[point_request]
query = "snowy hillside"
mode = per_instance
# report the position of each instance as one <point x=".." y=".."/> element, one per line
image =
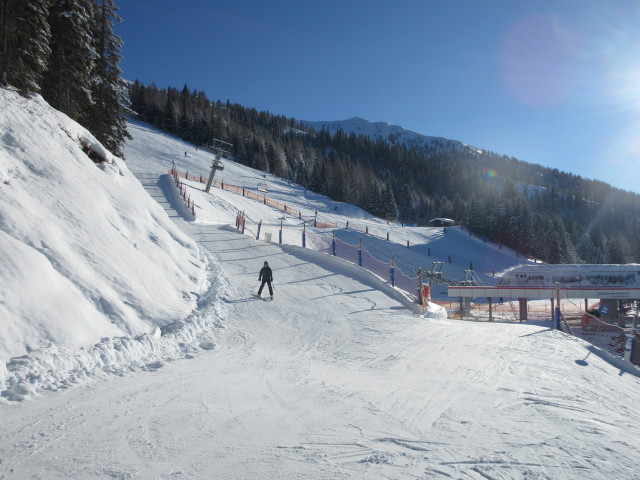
<point x="390" y="133"/>
<point x="85" y="253"/>
<point x="334" y="378"/>
<point x="457" y="250"/>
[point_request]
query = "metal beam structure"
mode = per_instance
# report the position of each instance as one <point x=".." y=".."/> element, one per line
<point x="219" y="148"/>
<point x="545" y="293"/>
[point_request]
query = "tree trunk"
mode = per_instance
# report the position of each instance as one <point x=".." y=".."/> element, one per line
<point x="4" y="12"/>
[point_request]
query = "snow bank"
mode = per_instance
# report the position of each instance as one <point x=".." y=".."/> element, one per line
<point x="53" y="367"/>
<point x="350" y="270"/>
<point x="75" y="239"/>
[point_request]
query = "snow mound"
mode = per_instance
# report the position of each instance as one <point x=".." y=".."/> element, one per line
<point x="75" y="237"/>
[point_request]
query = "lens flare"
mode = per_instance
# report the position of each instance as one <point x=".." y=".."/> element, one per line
<point x="538" y="63"/>
<point x="490" y="174"/>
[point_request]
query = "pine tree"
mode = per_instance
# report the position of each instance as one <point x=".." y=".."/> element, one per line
<point x="276" y="159"/>
<point x="586" y="250"/>
<point x="406" y="202"/>
<point x="106" y="115"/>
<point x="389" y="207"/>
<point x="137" y="96"/>
<point x="619" y="249"/>
<point x="373" y="202"/>
<point x="526" y="231"/>
<point x="559" y="248"/>
<point x="67" y="81"/>
<point x="168" y="115"/>
<point x="24" y="43"/>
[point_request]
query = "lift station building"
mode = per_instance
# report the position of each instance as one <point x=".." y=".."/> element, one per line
<point x="613" y="285"/>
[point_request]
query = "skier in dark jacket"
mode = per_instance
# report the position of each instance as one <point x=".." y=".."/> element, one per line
<point x="266" y="275"/>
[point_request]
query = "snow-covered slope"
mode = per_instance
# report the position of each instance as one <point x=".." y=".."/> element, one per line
<point x="457" y="250"/>
<point x="85" y="253"/>
<point x="390" y="133"/>
<point x="335" y="378"/>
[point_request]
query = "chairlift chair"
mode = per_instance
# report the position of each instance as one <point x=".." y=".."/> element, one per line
<point x="262" y="186"/>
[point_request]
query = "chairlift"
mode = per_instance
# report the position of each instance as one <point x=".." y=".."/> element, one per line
<point x="219" y="147"/>
<point x="262" y="186"/>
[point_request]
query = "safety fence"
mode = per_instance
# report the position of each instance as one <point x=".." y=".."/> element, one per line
<point x="183" y="191"/>
<point x="328" y="243"/>
<point x="611" y="338"/>
<point x="596" y="331"/>
<point x="391" y="233"/>
<point x="619" y="336"/>
<point x="388" y="271"/>
<point x="258" y="197"/>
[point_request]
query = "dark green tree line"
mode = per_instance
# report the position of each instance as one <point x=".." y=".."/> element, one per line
<point x="67" y="51"/>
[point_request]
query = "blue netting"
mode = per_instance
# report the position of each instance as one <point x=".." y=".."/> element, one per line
<point x="405" y="283"/>
<point x="370" y="260"/>
<point x="346" y="251"/>
<point x="376" y="266"/>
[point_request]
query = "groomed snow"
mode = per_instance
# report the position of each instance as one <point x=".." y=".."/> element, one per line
<point x="336" y="378"/>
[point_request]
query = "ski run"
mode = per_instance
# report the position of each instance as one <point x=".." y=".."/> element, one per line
<point x="131" y="345"/>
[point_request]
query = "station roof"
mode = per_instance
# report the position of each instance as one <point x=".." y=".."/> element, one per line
<point x="442" y="220"/>
<point x="573" y="275"/>
<point x="574" y="281"/>
<point x="545" y="293"/>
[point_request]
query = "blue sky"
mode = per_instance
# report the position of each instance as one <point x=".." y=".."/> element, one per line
<point x="555" y="83"/>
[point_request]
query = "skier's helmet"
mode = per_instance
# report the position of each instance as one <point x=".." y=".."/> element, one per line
<point x="266" y="264"/>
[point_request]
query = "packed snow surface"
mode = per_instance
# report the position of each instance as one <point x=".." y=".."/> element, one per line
<point x="335" y="378"/>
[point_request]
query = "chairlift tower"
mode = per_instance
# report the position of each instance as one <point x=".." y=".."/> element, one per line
<point x="219" y="148"/>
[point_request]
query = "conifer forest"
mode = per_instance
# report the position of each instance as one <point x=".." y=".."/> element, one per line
<point x="66" y="50"/>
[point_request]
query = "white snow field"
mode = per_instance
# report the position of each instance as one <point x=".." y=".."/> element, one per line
<point x="335" y="378"/>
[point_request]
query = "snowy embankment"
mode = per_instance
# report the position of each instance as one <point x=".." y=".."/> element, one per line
<point x="86" y="256"/>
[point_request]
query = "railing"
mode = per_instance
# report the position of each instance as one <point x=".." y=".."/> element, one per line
<point x="183" y="191"/>
<point x="609" y="335"/>
<point x="387" y="232"/>
<point x="602" y="334"/>
<point x="356" y="254"/>
<point x="258" y="197"/>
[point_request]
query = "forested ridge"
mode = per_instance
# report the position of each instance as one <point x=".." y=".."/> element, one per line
<point x="553" y="216"/>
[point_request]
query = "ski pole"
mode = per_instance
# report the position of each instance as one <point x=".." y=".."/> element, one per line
<point x="254" y="287"/>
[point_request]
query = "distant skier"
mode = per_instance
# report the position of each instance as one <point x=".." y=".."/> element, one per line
<point x="266" y="275"/>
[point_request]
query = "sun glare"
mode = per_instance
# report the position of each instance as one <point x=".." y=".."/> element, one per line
<point x="537" y="62"/>
<point x="624" y="86"/>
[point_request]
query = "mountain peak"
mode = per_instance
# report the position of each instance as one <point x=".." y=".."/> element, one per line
<point x="388" y="132"/>
<point x="356" y="119"/>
